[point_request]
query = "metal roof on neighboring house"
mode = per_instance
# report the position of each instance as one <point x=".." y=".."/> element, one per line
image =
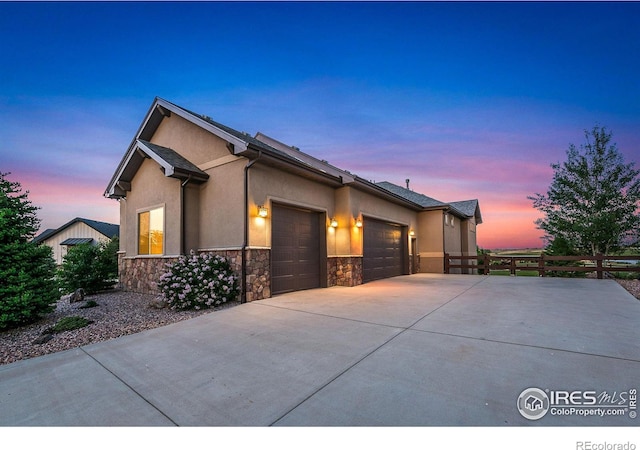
<point x="44" y="235"/>
<point x="109" y="230"/>
<point x="76" y="241"/>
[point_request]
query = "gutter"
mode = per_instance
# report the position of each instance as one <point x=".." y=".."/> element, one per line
<point x="245" y="244"/>
<point x="182" y="215"/>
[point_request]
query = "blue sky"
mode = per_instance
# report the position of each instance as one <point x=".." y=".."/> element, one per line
<point x="468" y="100"/>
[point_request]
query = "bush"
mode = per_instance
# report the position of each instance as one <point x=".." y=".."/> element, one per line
<point x="68" y="324"/>
<point x="27" y="287"/>
<point x="90" y="267"/>
<point x="198" y="282"/>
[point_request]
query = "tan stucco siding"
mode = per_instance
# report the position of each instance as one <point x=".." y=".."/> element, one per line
<point x="268" y="185"/>
<point x="221" y="213"/>
<point x="77" y="230"/>
<point x="431" y="241"/>
<point x="192" y="142"/>
<point x="452" y="235"/>
<point x="151" y="189"/>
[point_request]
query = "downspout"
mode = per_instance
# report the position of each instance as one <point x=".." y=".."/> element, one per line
<point x="182" y="214"/>
<point x="245" y="244"/>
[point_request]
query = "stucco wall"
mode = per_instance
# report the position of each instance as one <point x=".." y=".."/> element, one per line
<point x="431" y="241"/>
<point x="268" y="185"/>
<point x="151" y="189"/>
<point x="221" y="219"/>
<point x="194" y="143"/>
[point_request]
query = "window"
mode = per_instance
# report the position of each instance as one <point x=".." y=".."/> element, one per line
<point x="151" y="232"/>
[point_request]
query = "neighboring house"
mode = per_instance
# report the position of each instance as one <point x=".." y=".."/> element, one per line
<point x="75" y="232"/>
<point x="286" y="220"/>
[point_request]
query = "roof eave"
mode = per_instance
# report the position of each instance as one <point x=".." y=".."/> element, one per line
<point x="276" y="160"/>
<point x="367" y="186"/>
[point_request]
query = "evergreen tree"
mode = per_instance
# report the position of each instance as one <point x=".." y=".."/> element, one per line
<point x="90" y="267"/>
<point x="592" y="203"/>
<point x="27" y="270"/>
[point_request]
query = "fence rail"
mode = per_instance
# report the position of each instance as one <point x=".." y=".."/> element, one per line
<point x="601" y="264"/>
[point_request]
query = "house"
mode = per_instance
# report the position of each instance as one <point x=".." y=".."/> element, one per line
<point x="75" y="232"/>
<point x="286" y="220"/>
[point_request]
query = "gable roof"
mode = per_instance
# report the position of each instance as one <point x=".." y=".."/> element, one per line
<point x="109" y="230"/>
<point x="470" y="208"/>
<point x="465" y="209"/>
<point x="415" y="197"/>
<point x="261" y="147"/>
<point x="44" y="235"/>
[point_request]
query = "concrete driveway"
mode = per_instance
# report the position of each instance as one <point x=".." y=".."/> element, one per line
<point x="418" y="350"/>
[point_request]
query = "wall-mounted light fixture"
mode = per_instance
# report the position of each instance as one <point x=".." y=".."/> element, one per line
<point x="334" y="223"/>
<point x="263" y="211"/>
<point x="359" y="223"/>
<point x="412" y="233"/>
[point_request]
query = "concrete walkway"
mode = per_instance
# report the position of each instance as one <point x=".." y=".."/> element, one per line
<point x="417" y="350"/>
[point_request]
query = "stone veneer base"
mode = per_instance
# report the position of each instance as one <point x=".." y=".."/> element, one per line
<point x="344" y="270"/>
<point x="140" y="274"/>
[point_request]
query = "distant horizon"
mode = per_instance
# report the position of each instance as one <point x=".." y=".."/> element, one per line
<point x="468" y="100"/>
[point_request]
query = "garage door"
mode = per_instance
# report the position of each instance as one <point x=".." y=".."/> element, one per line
<point x="384" y="250"/>
<point x="295" y="249"/>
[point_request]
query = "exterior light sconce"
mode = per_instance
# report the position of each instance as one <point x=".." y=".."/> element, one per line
<point x="263" y="211"/>
<point x="412" y="233"/>
<point x="359" y="223"/>
<point x="334" y="223"/>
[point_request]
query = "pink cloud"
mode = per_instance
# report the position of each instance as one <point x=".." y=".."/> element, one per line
<point x="61" y="200"/>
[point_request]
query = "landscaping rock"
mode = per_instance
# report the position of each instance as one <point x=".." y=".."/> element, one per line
<point x="158" y="303"/>
<point x="42" y="339"/>
<point x="77" y="296"/>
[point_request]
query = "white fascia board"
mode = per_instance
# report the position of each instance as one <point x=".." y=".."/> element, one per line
<point x="168" y="168"/>
<point x="123" y="165"/>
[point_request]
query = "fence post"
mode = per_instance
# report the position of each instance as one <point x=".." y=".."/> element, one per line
<point x="599" y="271"/>
<point x="486" y="264"/>
<point x="446" y="263"/>
<point x="541" y="271"/>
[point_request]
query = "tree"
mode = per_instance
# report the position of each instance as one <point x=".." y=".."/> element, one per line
<point x="91" y="267"/>
<point x="593" y="201"/>
<point x="27" y="270"/>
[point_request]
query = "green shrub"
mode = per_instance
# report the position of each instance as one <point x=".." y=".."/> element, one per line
<point x="198" y="282"/>
<point x="90" y="267"/>
<point x="68" y="324"/>
<point x="89" y="304"/>
<point x="27" y="283"/>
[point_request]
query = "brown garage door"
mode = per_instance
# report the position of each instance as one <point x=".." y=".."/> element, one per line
<point x="384" y="250"/>
<point x="295" y="249"/>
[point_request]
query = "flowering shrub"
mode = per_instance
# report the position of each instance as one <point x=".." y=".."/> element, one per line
<point x="198" y="282"/>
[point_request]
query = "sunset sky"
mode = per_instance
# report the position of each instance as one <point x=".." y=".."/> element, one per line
<point x="467" y="100"/>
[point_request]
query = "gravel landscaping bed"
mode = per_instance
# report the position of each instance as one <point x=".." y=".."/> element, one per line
<point x="118" y="313"/>
<point x="633" y="286"/>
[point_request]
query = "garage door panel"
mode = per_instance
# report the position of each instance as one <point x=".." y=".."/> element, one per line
<point x="295" y="250"/>
<point x="384" y="250"/>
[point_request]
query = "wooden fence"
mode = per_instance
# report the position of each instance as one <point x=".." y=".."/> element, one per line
<point x="601" y="264"/>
